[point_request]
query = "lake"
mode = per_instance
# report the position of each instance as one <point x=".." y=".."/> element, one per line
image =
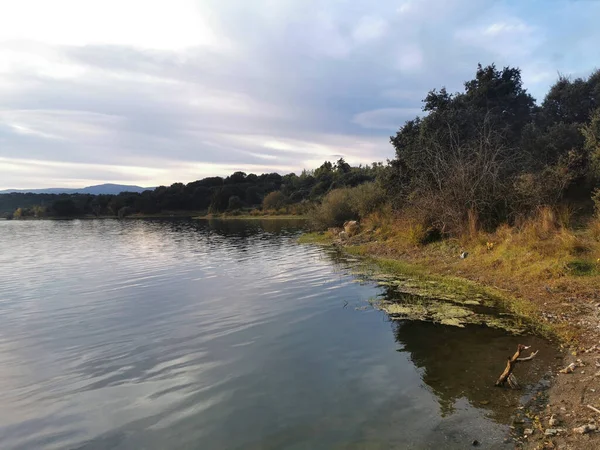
<point x="181" y="334"/>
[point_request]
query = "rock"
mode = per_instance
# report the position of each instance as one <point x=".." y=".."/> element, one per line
<point x="585" y="428"/>
<point x="528" y="431"/>
<point x="343" y="235"/>
<point x="553" y="421"/>
<point x="545" y="384"/>
<point x="351" y="228"/>
<point x="553" y="431"/>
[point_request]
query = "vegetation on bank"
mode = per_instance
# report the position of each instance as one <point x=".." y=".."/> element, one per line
<point x="239" y="193"/>
<point x="489" y="172"/>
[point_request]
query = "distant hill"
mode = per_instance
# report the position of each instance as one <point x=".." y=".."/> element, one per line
<point x="108" y="188"/>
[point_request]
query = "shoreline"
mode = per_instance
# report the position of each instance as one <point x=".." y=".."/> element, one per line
<point x="251" y="217"/>
<point x="568" y="395"/>
<point x="191" y="215"/>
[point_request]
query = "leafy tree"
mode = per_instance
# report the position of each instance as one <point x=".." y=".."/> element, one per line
<point x="252" y="195"/>
<point x="234" y="203"/>
<point x="342" y="166"/>
<point x="236" y="178"/>
<point x="64" y="207"/>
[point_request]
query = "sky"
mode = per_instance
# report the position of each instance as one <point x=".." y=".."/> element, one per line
<point x="153" y="92"/>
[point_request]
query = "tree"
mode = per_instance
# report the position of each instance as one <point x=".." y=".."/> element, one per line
<point x="234" y="203"/>
<point x="236" y="178"/>
<point x="342" y="166"/>
<point x="324" y="172"/>
<point x="64" y="207"/>
<point x="252" y="195"/>
<point x="460" y="158"/>
<point x="38" y="211"/>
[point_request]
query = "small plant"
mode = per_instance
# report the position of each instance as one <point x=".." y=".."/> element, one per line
<point x="416" y="234"/>
<point x="581" y="268"/>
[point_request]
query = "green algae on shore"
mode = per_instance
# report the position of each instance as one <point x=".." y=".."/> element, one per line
<point x="409" y="293"/>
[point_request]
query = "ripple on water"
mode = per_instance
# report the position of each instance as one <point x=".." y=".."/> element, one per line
<point x="221" y="335"/>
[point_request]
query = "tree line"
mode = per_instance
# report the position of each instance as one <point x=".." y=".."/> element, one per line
<point x="213" y="194"/>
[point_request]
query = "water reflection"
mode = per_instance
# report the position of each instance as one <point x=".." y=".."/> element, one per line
<point x="220" y="335"/>
<point x="463" y="363"/>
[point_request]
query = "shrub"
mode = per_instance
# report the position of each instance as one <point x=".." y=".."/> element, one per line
<point x="335" y="209"/>
<point x="274" y="200"/>
<point x="531" y="191"/>
<point x="416" y="233"/>
<point x="366" y="198"/>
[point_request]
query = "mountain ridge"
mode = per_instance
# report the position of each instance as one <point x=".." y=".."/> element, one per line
<point x="99" y="189"/>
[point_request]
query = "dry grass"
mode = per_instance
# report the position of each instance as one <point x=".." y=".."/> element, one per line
<point x="594" y="228"/>
<point x="542" y="265"/>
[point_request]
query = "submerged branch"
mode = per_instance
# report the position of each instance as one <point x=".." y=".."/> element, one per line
<point x="507" y="375"/>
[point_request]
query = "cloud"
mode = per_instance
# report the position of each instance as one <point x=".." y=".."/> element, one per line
<point x="509" y="37"/>
<point x="369" y="29"/>
<point x="175" y="90"/>
<point x="386" y="118"/>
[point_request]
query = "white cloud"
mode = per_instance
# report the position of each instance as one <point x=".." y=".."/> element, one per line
<point x="409" y="59"/>
<point x="175" y="90"/>
<point x="508" y="38"/>
<point x="369" y="29"/>
<point x="173" y="25"/>
<point x="499" y="28"/>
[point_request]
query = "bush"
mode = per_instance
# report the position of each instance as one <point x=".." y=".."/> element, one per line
<point x="366" y="198"/>
<point x="274" y="200"/>
<point x="335" y="209"/>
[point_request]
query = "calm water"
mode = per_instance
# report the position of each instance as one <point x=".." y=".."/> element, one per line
<point x="226" y="335"/>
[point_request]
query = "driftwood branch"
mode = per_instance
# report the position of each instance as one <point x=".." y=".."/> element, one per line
<point x="529" y="358"/>
<point x="593" y="409"/>
<point x="507" y="376"/>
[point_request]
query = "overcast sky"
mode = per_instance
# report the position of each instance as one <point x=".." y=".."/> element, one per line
<point x="152" y="92"/>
